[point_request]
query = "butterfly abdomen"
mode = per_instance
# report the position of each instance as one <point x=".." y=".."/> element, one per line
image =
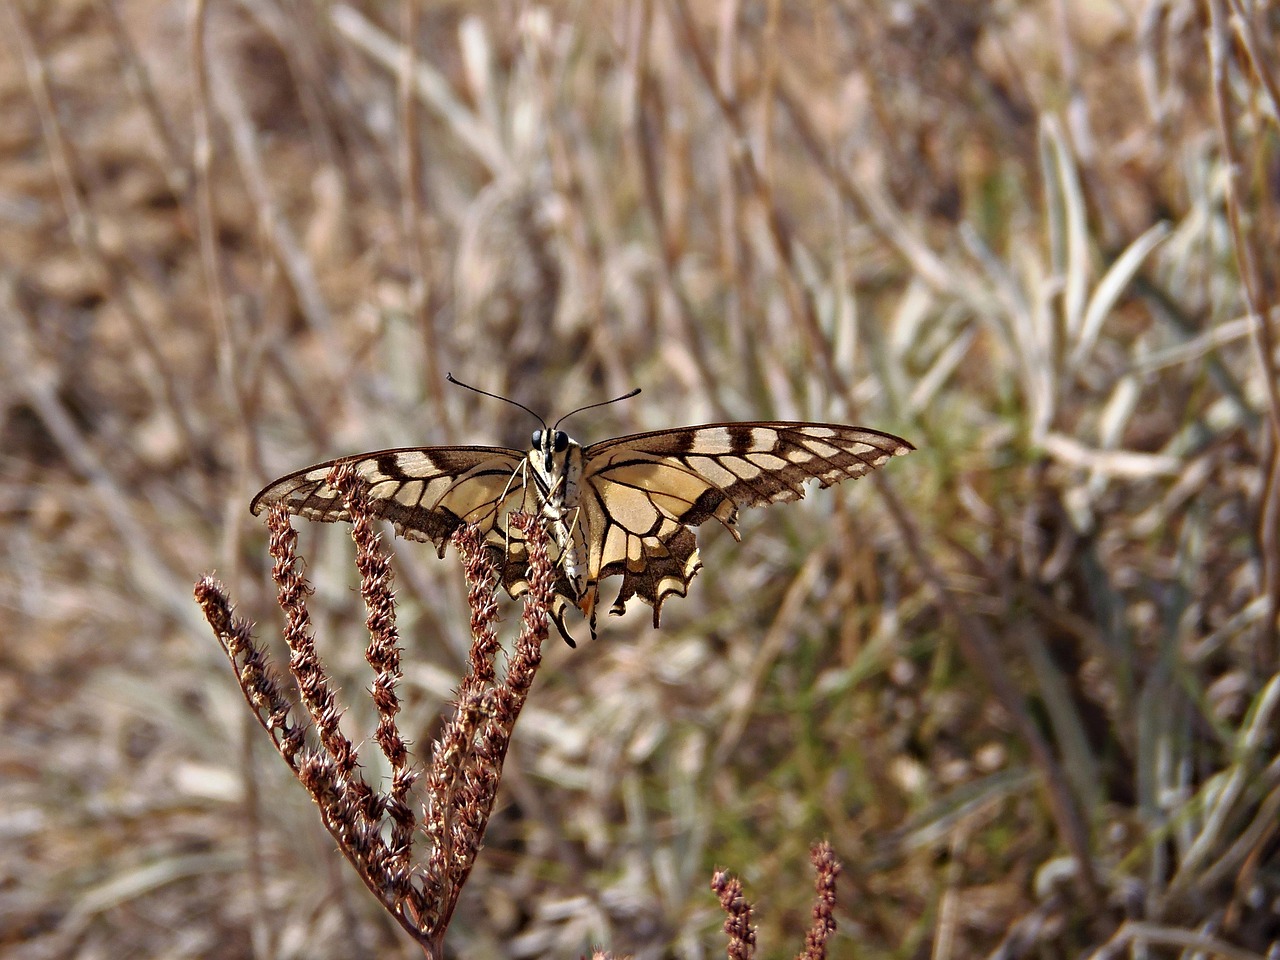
<point x="558" y="467"/>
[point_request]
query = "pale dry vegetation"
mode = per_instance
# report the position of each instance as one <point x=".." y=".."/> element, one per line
<point x="1024" y="680"/>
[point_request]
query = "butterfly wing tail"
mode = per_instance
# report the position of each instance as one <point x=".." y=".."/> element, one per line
<point x="559" y="607"/>
<point x="665" y="574"/>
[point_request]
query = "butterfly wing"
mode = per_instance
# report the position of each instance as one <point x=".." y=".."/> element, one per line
<point x="642" y="494"/>
<point x="426" y="492"/>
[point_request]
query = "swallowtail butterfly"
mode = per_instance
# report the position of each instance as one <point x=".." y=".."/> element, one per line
<point x="623" y="507"/>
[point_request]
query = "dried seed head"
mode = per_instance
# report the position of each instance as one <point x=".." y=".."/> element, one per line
<point x="737" y="924"/>
<point x="824" y="861"/>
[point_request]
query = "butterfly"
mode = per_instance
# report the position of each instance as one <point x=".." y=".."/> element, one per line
<point x="624" y="507"/>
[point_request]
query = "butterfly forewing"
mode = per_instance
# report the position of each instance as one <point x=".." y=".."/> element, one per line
<point x="425" y="492"/>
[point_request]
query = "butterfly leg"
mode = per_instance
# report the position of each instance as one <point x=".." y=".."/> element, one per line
<point x="521" y="472"/>
<point x="553" y="505"/>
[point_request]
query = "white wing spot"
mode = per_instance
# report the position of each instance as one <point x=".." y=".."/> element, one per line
<point x="411" y="493"/>
<point x="767" y="461"/>
<point x="419" y="467"/>
<point x="744" y="468"/>
<point x="821" y="449"/>
<point x="383" y="490"/>
<point x="819" y="432"/>
<point x="712" y="440"/>
<point x="713" y="471"/>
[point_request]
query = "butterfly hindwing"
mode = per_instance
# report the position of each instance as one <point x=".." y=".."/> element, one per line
<point x="425" y="492"/>
<point x="642" y="493"/>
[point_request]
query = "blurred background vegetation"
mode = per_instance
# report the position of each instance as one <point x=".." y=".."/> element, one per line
<point x="1024" y="679"/>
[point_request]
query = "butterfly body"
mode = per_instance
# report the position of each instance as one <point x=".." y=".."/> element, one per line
<point x="555" y="460"/>
<point x="623" y="507"/>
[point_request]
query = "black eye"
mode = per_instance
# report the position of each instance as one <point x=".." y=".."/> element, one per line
<point x="562" y="441"/>
<point x="537" y="439"/>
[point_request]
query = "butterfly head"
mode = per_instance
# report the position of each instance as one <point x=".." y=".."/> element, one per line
<point x="549" y="449"/>
<point x="555" y="459"/>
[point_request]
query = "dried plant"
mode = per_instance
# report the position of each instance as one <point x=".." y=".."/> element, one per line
<point x="377" y="830"/>
<point x="738" y="926"/>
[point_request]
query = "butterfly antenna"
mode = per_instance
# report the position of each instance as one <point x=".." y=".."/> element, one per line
<point x="515" y="403"/>
<point x="602" y="403"/>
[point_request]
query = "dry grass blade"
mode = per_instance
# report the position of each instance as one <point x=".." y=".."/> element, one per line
<point x="1252" y="239"/>
<point x="430" y="86"/>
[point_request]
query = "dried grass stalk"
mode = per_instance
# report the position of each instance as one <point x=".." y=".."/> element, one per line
<point x="376" y="829"/>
